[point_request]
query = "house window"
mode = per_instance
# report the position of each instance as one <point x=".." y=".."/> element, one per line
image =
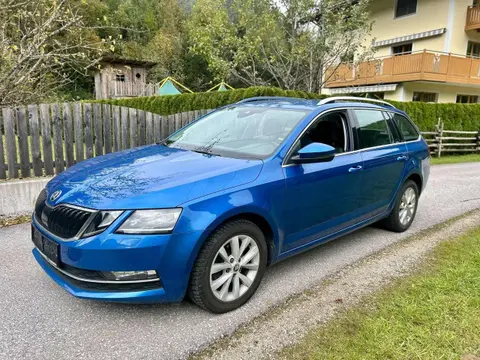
<point x="473" y="50"/>
<point x="404" y="49"/>
<point x="120" y="77"/>
<point x="405" y="7"/>
<point x="424" y="97"/>
<point x="467" y="99"/>
<point x="476" y="2"/>
<point x="372" y="95"/>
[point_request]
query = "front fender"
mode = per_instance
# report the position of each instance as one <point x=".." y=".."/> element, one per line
<point x="223" y="207"/>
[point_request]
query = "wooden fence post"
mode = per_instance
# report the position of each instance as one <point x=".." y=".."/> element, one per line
<point x="478" y="141"/>
<point x="35" y="140"/>
<point x="46" y="131"/>
<point x="22" y="132"/>
<point x="9" y="126"/>
<point x="3" y="172"/>
<point x="440" y="136"/>
<point x="68" y="134"/>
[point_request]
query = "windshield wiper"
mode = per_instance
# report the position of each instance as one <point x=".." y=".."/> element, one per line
<point x="204" y="152"/>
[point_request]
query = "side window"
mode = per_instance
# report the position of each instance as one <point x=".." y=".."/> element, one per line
<point x="373" y="129"/>
<point x="330" y="129"/>
<point x="407" y="130"/>
<point x="393" y="129"/>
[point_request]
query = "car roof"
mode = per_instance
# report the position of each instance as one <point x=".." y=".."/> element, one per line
<point x="315" y="104"/>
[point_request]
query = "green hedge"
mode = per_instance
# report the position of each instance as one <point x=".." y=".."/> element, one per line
<point x="464" y="117"/>
<point x="166" y="105"/>
<point x="455" y="116"/>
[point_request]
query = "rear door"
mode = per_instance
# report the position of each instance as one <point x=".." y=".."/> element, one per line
<point x="384" y="156"/>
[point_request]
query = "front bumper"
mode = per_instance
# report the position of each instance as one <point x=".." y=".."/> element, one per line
<point x="171" y="255"/>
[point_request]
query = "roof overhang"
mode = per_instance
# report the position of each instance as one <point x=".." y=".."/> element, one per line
<point x="126" y="61"/>
<point x="363" y="89"/>
<point x="417" y="36"/>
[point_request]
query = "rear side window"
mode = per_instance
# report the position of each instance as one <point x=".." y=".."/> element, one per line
<point x="407" y="130"/>
<point x="373" y="129"/>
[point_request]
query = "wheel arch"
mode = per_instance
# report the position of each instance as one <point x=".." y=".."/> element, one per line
<point x="417" y="179"/>
<point x="257" y="216"/>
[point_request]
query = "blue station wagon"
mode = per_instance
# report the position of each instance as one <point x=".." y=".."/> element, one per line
<point x="203" y="213"/>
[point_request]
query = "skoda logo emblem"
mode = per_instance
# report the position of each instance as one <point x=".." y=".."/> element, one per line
<point x="55" y="195"/>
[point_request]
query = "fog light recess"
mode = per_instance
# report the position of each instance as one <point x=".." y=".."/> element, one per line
<point x="122" y="276"/>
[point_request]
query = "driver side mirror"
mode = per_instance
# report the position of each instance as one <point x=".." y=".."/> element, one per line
<point x="313" y="153"/>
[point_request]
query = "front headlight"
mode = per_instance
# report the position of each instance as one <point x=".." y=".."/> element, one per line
<point x="150" y="221"/>
<point x="100" y="222"/>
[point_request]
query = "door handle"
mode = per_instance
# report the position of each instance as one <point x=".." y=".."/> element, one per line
<point x="355" y="168"/>
<point x="402" y="158"/>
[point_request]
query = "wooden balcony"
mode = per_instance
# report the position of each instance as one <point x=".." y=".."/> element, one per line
<point x="425" y="65"/>
<point x="473" y="18"/>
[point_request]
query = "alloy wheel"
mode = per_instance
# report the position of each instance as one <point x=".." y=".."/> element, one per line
<point x="234" y="268"/>
<point x="407" y="206"/>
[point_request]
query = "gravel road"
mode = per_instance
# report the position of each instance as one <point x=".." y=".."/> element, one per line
<point x="39" y="320"/>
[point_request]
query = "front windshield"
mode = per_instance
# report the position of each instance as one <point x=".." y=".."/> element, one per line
<point x="251" y="132"/>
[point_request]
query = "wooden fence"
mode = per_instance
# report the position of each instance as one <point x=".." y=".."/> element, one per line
<point x="443" y="141"/>
<point x="45" y="139"/>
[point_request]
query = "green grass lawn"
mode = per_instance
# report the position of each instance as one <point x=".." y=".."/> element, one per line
<point x="455" y="159"/>
<point x="434" y="314"/>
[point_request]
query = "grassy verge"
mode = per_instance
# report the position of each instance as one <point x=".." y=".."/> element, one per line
<point x="9" y="221"/>
<point x="455" y="159"/>
<point x="434" y="314"/>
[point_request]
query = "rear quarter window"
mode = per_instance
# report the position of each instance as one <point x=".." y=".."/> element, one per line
<point x="405" y="127"/>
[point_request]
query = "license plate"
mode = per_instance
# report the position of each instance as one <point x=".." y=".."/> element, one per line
<point x="46" y="246"/>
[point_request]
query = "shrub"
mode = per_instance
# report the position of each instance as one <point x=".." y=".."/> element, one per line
<point x="166" y="105"/>
<point x="455" y="116"/>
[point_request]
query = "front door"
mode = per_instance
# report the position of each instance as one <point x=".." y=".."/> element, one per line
<point x="321" y="198"/>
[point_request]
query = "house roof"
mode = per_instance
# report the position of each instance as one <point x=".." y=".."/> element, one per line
<point x="126" y="61"/>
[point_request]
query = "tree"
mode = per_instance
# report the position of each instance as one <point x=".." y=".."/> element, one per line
<point x="286" y="43"/>
<point x="43" y="44"/>
<point x="151" y="30"/>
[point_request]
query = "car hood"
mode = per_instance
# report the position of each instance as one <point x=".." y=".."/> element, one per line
<point x="153" y="176"/>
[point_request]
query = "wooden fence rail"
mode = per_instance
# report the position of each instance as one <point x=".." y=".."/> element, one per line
<point x="443" y="141"/>
<point x="46" y="139"/>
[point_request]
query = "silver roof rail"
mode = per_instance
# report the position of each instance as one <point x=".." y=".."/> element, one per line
<point x="353" y="98"/>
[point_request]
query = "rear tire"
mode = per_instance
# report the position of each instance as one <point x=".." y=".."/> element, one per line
<point x="229" y="267"/>
<point x="404" y="210"/>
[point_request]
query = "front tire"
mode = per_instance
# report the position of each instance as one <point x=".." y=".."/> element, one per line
<point x="404" y="210"/>
<point x="229" y="267"/>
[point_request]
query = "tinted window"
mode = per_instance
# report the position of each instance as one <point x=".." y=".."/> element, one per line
<point x="405" y="7"/>
<point x="404" y="49"/>
<point x="373" y="129"/>
<point x="405" y="127"/>
<point x="393" y="130"/>
<point x="424" y="97"/>
<point x="467" y="99"/>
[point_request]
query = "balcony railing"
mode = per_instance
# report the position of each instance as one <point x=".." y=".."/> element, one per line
<point x="425" y="65"/>
<point x="473" y="18"/>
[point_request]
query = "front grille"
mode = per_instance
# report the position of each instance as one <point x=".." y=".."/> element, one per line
<point x="62" y="220"/>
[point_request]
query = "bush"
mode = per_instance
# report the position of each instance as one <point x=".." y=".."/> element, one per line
<point x="455" y="116"/>
<point x="166" y="105"/>
<point x="460" y="117"/>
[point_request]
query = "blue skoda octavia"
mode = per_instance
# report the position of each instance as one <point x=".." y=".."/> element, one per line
<point x="204" y="212"/>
